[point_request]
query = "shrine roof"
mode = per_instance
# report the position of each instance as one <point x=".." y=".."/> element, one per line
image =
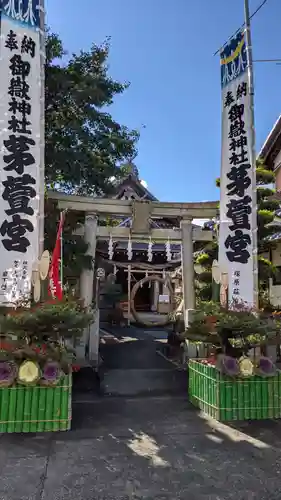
<point x="138" y="191"/>
<point x="272" y="145"/>
<point x="133" y="182"/>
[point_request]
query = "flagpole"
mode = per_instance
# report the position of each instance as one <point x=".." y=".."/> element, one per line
<point x="249" y="52"/>
<point x="62" y="214"/>
<point x="41" y="214"/>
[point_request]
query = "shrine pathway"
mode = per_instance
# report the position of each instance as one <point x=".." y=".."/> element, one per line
<point x="133" y="366"/>
<point x="156" y="448"/>
<point x="142" y="440"/>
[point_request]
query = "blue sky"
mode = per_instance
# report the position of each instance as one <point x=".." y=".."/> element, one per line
<point x="165" y="49"/>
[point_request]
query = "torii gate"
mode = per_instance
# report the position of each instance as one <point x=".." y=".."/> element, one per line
<point x="141" y="212"/>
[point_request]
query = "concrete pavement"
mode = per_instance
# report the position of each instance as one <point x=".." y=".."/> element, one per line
<point x="143" y="448"/>
<point x="133" y="367"/>
<point x="144" y="442"/>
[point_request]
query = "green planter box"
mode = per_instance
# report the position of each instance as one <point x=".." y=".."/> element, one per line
<point x="36" y="409"/>
<point x="226" y="399"/>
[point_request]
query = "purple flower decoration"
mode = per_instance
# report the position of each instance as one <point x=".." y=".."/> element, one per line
<point x="51" y="372"/>
<point x="265" y="367"/>
<point x="7" y="373"/>
<point x="229" y="366"/>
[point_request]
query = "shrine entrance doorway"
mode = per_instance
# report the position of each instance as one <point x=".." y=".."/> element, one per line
<point x="162" y="308"/>
<point x="142" y="228"/>
<point x="143" y="299"/>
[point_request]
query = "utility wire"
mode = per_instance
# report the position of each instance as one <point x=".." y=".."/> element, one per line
<point x="242" y="26"/>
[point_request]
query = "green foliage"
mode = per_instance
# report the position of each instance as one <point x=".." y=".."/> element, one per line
<point x="84" y="144"/>
<point x="38" y="333"/>
<point x="52" y="320"/>
<point x="270" y="205"/>
<point x="112" y="293"/>
<point x="265" y="217"/>
<point x="108" y="221"/>
<point x="205" y="292"/>
<point x="266" y="268"/>
<point x="264" y="192"/>
<point x="265" y="176"/>
<point x="237" y="328"/>
<point x="74" y="246"/>
<point x="212" y="250"/>
<point x="203" y="259"/>
<point x="205" y="276"/>
<point x="208" y="308"/>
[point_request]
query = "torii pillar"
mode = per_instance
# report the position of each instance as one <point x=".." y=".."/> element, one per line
<point x="87" y="282"/>
<point x="187" y="270"/>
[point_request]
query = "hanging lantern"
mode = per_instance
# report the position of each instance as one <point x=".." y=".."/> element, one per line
<point x="130" y="249"/>
<point x="149" y="251"/>
<point x="168" y="250"/>
<point x="110" y="248"/>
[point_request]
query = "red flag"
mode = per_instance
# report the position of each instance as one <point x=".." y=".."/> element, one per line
<point x="55" y="285"/>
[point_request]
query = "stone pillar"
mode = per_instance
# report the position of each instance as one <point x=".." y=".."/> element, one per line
<point x="155" y="296"/>
<point x="94" y="340"/>
<point x="187" y="270"/>
<point x="166" y="290"/>
<point x="87" y="275"/>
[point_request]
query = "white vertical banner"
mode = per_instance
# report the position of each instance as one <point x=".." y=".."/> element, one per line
<point x="236" y="199"/>
<point x="20" y="92"/>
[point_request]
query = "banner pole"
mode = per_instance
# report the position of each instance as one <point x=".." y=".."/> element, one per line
<point x="41" y="215"/>
<point x="249" y="52"/>
<point x="62" y="215"/>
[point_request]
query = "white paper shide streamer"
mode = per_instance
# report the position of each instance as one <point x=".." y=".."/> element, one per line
<point x="110" y="248"/>
<point x="130" y="249"/>
<point x="168" y="250"/>
<point x="149" y="251"/>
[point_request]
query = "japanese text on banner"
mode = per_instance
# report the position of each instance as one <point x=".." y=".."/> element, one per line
<point x="20" y="154"/>
<point x="236" y="223"/>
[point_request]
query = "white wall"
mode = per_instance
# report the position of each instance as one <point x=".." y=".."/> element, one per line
<point x="277" y="168"/>
<point x="275" y="290"/>
<point x="276" y="255"/>
<point x="277" y="160"/>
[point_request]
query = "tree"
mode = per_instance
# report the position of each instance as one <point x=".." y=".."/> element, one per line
<point x="266" y="214"/>
<point x="84" y="146"/>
